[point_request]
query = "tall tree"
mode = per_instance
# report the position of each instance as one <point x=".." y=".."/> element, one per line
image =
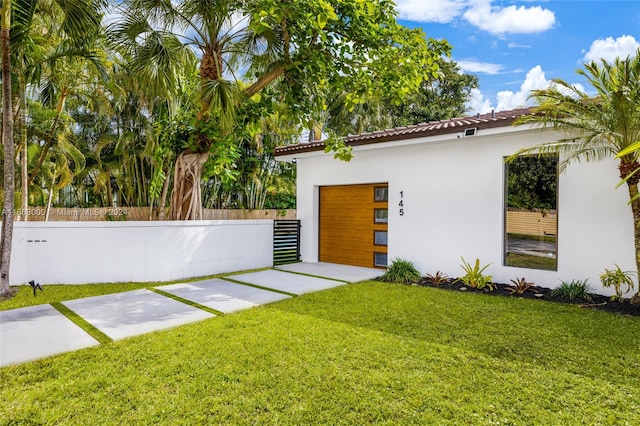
<point x="9" y="149"/>
<point x="435" y="99"/>
<point x="597" y="127"/>
<point x="306" y="48"/>
<point x="80" y="22"/>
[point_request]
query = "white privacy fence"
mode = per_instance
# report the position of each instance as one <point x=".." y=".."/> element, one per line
<point x="100" y="252"/>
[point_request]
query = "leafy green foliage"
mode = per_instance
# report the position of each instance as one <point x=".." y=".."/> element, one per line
<point x="401" y="271"/>
<point x="574" y="290"/>
<point x="437" y="279"/>
<point x="617" y="278"/>
<point x="280" y="200"/>
<point x="440" y="98"/>
<point x="532" y="182"/>
<point x="519" y="286"/>
<point x="474" y="275"/>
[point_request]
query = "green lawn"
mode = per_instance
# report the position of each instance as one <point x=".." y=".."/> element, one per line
<point x="531" y="262"/>
<point x="53" y="293"/>
<point x="363" y="353"/>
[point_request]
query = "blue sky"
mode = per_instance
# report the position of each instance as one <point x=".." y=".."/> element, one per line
<point x="516" y="46"/>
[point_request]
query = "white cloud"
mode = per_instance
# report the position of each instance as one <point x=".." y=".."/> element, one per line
<point x="534" y="80"/>
<point x="507" y="99"/>
<point x="477" y="103"/>
<point x="440" y="11"/>
<point x="473" y="66"/>
<point x="480" y="13"/>
<point x="518" y="46"/>
<point x="511" y="19"/>
<point x="608" y="49"/>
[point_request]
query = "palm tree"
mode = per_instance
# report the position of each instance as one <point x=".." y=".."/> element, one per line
<point x="80" y="22"/>
<point x="597" y="127"/>
<point x="156" y="37"/>
<point x="9" y="148"/>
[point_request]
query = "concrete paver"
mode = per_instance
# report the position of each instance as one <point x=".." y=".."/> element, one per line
<point x="223" y="296"/>
<point x="334" y="271"/>
<point x="38" y="331"/>
<point x="135" y="312"/>
<point x="286" y="281"/>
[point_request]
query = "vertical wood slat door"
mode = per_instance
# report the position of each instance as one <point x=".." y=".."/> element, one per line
<point x="348" y="225"/>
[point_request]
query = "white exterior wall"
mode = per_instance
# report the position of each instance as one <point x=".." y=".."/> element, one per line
<point x="454" y="200"/>
<point x="101" y="252"/>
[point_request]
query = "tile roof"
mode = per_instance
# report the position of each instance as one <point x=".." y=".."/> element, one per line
<point x="433" y="128"/>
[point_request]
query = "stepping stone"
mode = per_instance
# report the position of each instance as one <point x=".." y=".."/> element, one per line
<point x="286" y="281"/>
<point x="135" y="312"/>
<point x="333" y="271"/>
<point x="36" y="332"/>
<point x="223" y="296"/>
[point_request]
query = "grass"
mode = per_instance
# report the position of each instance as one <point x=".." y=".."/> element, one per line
<point x="53" y="293"/>
<point x="364" y="353"/>
<point x="531" y="261"/>
<point x="547" y="238"/>
<point x="59" y="293"/>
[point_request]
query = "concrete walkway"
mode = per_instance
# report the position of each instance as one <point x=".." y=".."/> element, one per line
<point x="39" y="331"/>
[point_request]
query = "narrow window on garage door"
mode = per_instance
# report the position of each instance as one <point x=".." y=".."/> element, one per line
<point x="380" y="221"/>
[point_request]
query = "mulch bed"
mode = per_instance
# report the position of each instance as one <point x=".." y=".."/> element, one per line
<point x="602" y="303"/>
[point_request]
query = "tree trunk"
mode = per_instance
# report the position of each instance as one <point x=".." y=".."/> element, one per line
<point x="9" y="152"/>
<point x="165" y="191"/>
<point x="186" y="198"/>
<point x="49" y="199"/>
<point x="635" y="208"/>
<point x="24" y="205"/>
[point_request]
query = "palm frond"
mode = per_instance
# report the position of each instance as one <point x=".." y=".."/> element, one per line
<point x="81" y="19"/>
<point x="223" y="97"/>
<point x="595" y="127"/>
<point x="69" y="150"/>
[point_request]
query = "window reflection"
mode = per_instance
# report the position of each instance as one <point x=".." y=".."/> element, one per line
<point x="531" y="216"/>
<point x="380" y="215"/>
<point x="381" y="193"/>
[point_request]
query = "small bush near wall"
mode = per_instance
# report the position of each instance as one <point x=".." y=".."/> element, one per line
<point x="618" y="279"/>
<point x="401" y="271"/>
<point x="574" y="290"/>
<point x="474" y="275"/>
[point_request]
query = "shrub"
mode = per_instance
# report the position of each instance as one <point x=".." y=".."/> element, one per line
<point x="576" y="289"/>
<point x="437" y="278"/>
<point x="519" y="286"/>
<point x="474" y="276"/>
<point x="617" y="278"/>
<point x="280" y="200"/>
<point x="401" y="271"/>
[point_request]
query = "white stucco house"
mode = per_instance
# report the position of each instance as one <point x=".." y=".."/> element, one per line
<point x="435" y="192"/>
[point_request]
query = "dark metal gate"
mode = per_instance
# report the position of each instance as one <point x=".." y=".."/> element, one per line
<point x="286" y="241"/>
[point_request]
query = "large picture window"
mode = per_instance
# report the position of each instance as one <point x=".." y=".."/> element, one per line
<point x="531" y="212"/>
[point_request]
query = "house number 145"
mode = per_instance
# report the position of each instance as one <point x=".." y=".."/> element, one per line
<point x="401" y="203"/>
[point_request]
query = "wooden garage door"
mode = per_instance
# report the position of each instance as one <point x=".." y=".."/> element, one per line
<point x="353" y="224"/>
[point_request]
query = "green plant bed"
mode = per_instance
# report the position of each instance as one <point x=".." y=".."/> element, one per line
<point x="530" y="261"/>
<point x="368" y="353"/>
<point x="522" y="289"/>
